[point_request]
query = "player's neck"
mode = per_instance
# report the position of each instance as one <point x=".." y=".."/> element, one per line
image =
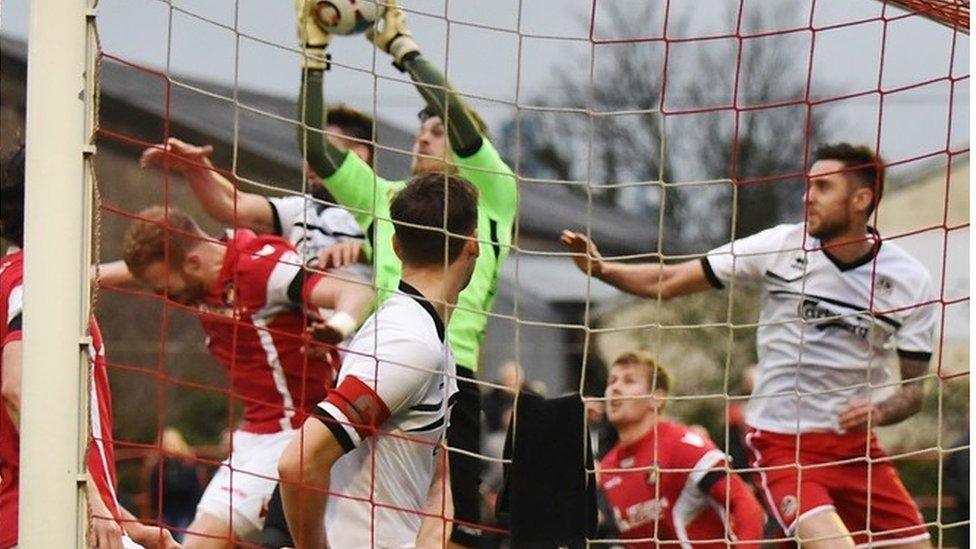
<point x="851" y="245"/>
<point x="213" y="254"/>
<point x="629" y="434"/>
<point x="437" y="286"/>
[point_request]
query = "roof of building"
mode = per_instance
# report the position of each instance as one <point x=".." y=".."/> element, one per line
<point x="263" y="125"/>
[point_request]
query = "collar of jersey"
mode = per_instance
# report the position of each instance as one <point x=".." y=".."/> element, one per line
<point x="863" y="260"/>
<point x="425" y="304"/>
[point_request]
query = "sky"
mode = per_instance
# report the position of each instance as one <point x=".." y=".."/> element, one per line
<point x="504" y="54"/>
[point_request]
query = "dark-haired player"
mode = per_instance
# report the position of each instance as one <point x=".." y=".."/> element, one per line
<point x="839" y="304"/>
<point x="375" y="450"/>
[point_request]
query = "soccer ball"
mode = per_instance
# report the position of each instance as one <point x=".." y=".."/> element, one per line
<point x="348" y="16"/>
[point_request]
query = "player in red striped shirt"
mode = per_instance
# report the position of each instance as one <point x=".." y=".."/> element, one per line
<point x="663" y="481"/>
<point x="112" y="525"/>
<point x="255" y="301"/>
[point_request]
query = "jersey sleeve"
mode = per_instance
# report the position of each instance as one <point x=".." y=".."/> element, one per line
<point x="376" y="382"/>
<point x="917" y="332"/>
<point x="280" y="272"/>
<point x="493" y="179"/>
<point x="358" y="188"/>
<point x="744" y="259"/>
<point x="285" y="212"/>
<point x="13" y="322"/>
<point x="341" y="224"/>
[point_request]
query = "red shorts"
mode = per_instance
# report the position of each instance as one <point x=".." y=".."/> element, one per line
<point x="833" y="475"/>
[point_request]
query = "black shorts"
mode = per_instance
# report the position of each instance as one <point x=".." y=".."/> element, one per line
<point x="464" y="432"/>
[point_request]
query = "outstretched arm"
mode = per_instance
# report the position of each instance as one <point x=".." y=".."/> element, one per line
<point x="323" y="157"/>
<point x="351" y="301"/>
<point x="219" y="197"/>
<point x="651" y="280"/>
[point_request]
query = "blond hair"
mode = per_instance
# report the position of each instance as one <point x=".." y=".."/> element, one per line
<point x="159" y="235"/>
<point x="658" y="377"/>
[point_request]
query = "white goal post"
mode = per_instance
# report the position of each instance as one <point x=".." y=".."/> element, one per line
<point x="53" y="423"/>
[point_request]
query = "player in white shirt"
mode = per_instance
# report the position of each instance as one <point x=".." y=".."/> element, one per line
<point x="375" y="451"/>
<point x="839" y="305"/>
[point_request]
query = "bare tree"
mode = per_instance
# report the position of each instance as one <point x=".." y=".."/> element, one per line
<point x="628" y="153"/>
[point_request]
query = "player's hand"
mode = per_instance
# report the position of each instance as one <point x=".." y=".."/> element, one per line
<point x="183" y="157"/>
<point x="857" y="414"/>
<point x="312" y="36"/>
<point x="340" y="254"/>
<point x="393" y="36"/>
<point x="105" y="533"/>
<point x="152" y="537"/>
<point x="323" y="332"/>
<point x="588" y="259"/>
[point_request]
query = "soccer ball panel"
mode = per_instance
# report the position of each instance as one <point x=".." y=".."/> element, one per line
<point x="348" y="16"/>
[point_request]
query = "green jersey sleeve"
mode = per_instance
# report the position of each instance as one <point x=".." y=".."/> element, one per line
<point x="358" y="188"/>
<point x="497" y="191"/>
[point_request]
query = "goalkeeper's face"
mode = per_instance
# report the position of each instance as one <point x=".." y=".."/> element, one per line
<point x="430" y="148"/>
<point x="629" y="396"/>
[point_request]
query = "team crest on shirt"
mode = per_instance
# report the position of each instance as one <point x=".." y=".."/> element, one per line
<point x="652" y="476"/>
<point x="799" y="263"/>
<point x="883" y="285"/>
<point x="788" y="507"/>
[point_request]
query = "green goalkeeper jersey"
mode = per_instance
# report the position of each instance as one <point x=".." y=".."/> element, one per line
<point x="367" y="196"/>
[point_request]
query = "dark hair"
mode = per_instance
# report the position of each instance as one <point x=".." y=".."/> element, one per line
<point x="354" y="124"/>
<point x="12" y="189"/>
<point x="418" y="212"/>
<point x="860" y="163"/>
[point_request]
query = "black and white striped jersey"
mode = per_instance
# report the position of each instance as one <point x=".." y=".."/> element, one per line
<point x="389" y="411"/>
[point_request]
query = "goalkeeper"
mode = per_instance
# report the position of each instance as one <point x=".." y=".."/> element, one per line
<point x="451" y="139"/>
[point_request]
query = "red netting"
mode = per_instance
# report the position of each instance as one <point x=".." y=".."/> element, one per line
<point x="662" y="133"/>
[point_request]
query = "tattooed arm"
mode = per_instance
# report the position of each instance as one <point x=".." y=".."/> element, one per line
<point x="899" y="406"/>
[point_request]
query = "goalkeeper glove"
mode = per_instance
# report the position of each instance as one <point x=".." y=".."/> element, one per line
<point x="394" y="38"/>
<point x="312" y="36"/>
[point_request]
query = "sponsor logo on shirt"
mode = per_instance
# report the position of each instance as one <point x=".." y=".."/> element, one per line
<point x="640" y="513"/>
<point x="787" y="508"/>
<point x="859" y="325"/>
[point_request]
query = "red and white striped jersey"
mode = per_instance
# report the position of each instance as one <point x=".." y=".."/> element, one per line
<point x="101" y="454"/>
<point x="255" y="324"/>
<point x="664" y="495"/>
<point x="11" y="306"/>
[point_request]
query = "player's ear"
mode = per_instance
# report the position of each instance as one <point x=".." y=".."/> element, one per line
<point x="660" y="399"/>
<point x="863" y="198"/>
<point x="471" y="245"/>
<point x="396" y="247"/>
<point x="193" y="263"/>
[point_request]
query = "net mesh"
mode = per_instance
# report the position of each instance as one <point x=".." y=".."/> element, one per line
<point x="655" y="130"/>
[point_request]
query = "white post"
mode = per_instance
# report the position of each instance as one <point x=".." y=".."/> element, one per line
<point x="56" y="297"/>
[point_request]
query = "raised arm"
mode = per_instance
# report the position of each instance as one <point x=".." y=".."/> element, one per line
<point x="395" y="38"/>
<point x="218" y="196"/>
<point x="651" y="280"/>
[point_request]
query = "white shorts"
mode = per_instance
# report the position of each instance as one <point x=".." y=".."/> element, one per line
<point x="244" y="483"/>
